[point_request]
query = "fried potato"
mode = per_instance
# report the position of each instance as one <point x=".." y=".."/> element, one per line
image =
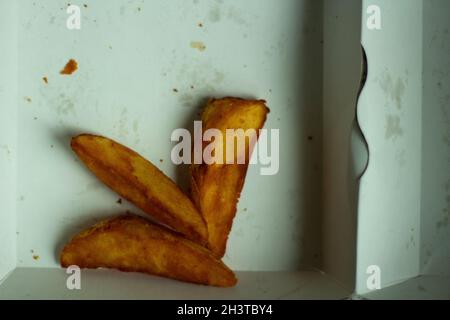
<point x="216" y="188"/>
<point x="131" y="243"/>
<point x="140" y="182"/>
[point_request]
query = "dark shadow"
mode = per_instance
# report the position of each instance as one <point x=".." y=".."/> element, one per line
<point x="345" y="75"/>
<point x="357" y="165"/>
<point x="182" y="177"/>
<point x="309" y="130"/>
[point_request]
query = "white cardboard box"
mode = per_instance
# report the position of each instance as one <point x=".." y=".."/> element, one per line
<point x="312" y="230"/>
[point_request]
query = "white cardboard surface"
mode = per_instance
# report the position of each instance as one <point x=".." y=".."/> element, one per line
<point x="390" y="115"/>
<point x="131" y="56"/>
<point x="435" y="219"/>
<point x="8" y="145"/>
<point x="109" y="284"/>
<point x="418" y="288"/>
<point x="342" y="76"/>
<point x="404" y="196"/>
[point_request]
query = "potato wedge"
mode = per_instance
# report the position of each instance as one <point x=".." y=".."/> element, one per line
<point x="131" y="243"/>
<point x="216" y="188"/>
<point x="140" y="182"/>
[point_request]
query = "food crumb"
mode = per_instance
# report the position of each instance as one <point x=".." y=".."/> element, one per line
<point x="192" y="87"/>
<point x="51" y="146"/>
<point x="28" y="99"/>
<point x="36" y="257"/>
<point x="70" y="67"/>
<point x="85" y="5"/>
<point x="161" y="160"/>
<point x="119" y="201"/>
<point x="200" y="25"/>
<point x="310" y="138"/>
<point x="35" y="118"/>
<point x="200" y="46"/>
<point x="45" y="80"/>
<point x="175" y="90"/>
<point x="245" y="209"/>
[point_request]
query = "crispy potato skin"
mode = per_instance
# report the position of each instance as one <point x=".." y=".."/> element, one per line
<point x="131" y="243"/>
<point x="140" y="182"/>
<point x="216" y="188"/>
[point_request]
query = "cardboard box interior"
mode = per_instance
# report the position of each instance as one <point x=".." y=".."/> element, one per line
<point x="310" y="231"/>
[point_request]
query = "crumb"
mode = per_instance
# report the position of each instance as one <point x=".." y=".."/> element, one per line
<point x="192" y="87"/>
<point x="51" y="146"/>
<point x="17" y="232"/>
<point x="32" y="251"/>
<point x="110" y="47"/>
<point x="310" y="138"/>
<point x="200" y="25"/>
<point x="85" y="5"/>
<point x="70" y="67"/>
<point x="36" y="257"/>
<point x="421" y="288"/>
<point x="35" y="118"/>
<point x="119" y="201"/>
<point x="161" y="160"/>
<point x="200" y="46"/>
<point x="45" y="80"/>
<point x="175" y="90"/>
<point x="139" y="9"/>
<point x="28" y="99"/>
<point x="245" y="209"/>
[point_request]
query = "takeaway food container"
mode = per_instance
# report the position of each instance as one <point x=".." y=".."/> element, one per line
<point x="359" y="91"/>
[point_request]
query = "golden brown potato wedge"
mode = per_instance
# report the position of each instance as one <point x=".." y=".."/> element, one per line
<point x="131" y="243"/>
<point x="140" y="182"/>
<point x="216" y="188"/>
